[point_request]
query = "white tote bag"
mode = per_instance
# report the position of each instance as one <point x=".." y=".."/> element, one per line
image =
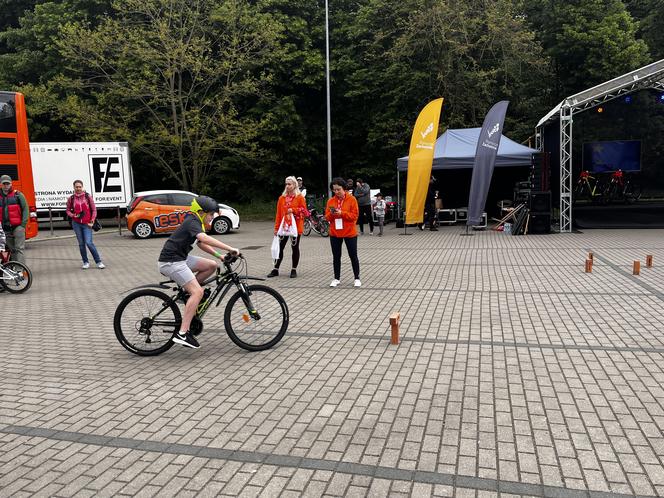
<point x="288" y="231"/>
<point x="275" y="247"/>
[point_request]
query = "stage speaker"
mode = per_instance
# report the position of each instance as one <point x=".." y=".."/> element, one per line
<point x="539" y="223"/>
<point x="541" y="171"/>
<point x="540" y="202"/>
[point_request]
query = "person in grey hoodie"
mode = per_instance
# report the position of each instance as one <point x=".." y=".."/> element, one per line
<point x="363" y="195"/>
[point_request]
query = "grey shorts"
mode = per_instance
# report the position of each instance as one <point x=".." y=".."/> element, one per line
<point x="179" y="271"/>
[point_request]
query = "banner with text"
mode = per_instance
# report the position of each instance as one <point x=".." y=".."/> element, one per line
<point x="420" y="160"/>
<point x="485" y="160"/>
<point x="103" y="167"/>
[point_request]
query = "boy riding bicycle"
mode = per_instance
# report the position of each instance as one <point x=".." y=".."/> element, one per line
<point x="176" y="264"/>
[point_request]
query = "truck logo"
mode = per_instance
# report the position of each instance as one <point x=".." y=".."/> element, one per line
<point x="106" y="173"/>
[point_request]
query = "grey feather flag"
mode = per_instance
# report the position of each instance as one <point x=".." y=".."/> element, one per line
<point x="485" y="159"/>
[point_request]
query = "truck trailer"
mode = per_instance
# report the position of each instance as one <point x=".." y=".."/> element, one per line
<point x="103" y="167"/>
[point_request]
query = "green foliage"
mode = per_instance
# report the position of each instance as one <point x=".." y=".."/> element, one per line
<point x="589" y="41"/>
<point x="170" y="77"/>
<point x="228" y="96"/>
<point x="398" y="56"/>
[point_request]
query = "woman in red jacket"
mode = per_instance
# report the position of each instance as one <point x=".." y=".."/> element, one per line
<point x="83" y="212"/>
<point x="342" y="213"/>
<point x="291" y="202"/>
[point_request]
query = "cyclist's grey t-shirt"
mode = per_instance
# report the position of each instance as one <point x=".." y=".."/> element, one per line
<point x="180" y="243"/>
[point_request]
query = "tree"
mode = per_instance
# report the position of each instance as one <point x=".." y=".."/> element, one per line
<point x="29" y="57"/>
<point x="588" y="41"/>
<point x="400" y="55"/>
<point x="170" y="76"/>
<point x="651" y="24"/>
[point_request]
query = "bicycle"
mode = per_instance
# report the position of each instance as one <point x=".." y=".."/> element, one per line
<point x="621" y="188"/>
<point x="15" y="277"/>
<point x="587" y="187"/>
<point x="255" y="317"/>
<point x="316" y="222"/>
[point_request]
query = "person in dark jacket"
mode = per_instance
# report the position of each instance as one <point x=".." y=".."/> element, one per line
<point x="363" y="196"/>
<point x="430" y="206"/>
<point x="14" y="215"/>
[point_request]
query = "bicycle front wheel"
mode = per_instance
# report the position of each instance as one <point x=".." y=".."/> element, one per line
<point x="145" y="322"/>
<point x="324" y="227"/>
<point x="307" y="227"/>
<point x="256" y="319"/>
<point x="16" y="277"/>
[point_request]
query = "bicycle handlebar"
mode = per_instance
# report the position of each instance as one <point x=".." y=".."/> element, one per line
<point x="231" y="258"/>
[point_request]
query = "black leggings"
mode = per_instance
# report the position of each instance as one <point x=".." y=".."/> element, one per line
<point x="351" y="246"/>
<point x="365" y="212"/>
<point x="295" y="244"/>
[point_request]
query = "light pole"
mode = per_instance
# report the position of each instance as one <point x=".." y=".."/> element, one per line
<point x="327" y="88"/>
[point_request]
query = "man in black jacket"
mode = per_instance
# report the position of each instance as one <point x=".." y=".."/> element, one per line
<point x="363" y="195"/>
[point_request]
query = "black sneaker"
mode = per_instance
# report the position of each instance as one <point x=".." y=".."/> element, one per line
<point x="273" y="273"/>
<point x="186" y="340"/>
<point x="293" y="273"/>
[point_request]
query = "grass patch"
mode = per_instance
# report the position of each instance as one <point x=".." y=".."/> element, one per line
<point x="256" y="210"/>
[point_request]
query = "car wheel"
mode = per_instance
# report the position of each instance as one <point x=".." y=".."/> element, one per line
<point x="143" y="229"/>
<point x="221" y="225"/>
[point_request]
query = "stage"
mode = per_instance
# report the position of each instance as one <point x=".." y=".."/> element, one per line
<point x="641" y="214"/>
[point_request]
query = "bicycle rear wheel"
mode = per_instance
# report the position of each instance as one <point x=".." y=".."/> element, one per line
<point x="633" y="192"/>
<point x="16" y="277"/>
<point x="256" y="320"/>
<point x="145" y="322"/>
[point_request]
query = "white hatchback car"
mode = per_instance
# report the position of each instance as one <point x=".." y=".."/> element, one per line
<point x="162" y="211"/>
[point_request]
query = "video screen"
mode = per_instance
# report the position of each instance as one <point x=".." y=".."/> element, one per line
<point x="599" y="157"/>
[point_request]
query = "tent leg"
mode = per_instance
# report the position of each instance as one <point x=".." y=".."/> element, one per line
<point x="398" y="194"/>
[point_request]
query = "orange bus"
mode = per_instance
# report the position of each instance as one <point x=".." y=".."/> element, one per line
<point x="15" y="152"/>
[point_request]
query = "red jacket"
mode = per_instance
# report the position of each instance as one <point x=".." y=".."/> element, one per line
<point x="349" y="215"/>
<point x="299" y="207"/>
<point x="81" y="208"/>
<point x="13" y="204"/>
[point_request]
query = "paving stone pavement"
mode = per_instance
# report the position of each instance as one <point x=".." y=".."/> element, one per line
<point x="518" y="375"/>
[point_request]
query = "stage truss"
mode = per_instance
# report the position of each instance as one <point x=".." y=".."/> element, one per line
<point x="647" y="77"/>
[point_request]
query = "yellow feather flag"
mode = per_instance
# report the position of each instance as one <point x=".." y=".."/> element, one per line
<point x="420" y="160"/>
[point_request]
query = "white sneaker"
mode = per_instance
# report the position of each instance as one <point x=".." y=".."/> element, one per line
<point x="335" y="282"/>
<point x="85" y="266"/>
<point x="101" y="265"/>
<point x="357" y="283"/>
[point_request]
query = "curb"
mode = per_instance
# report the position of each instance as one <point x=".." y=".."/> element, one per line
<point x="61" y="237"/>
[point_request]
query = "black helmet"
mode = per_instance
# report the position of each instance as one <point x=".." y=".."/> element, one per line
<point x="204" y="203"/>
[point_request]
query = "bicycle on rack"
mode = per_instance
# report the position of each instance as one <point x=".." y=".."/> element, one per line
<point x="15" y="277"/>
<point x="255" y="318"/>
<point x="588" y="187"/>
<point x="316" y="222"/>
<point x="621" y="188"/>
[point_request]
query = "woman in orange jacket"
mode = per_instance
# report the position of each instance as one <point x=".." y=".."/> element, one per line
<point x="342" y="213"/>
<point x="291" y="202"/>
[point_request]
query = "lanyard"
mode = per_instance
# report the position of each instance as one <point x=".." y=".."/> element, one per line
<point x="340" y="201"/>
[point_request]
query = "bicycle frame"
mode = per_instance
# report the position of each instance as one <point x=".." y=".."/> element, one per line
<point x="225" y="282"/>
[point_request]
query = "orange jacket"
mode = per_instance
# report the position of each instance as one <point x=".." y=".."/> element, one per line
<point x="299" y="207"/>
<point x="349" y="215"/>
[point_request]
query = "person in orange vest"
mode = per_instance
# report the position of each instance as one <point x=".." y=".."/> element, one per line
<point x="14" y="216"/>
<point x="291" y="202"/>
<point x="342" y="213"/>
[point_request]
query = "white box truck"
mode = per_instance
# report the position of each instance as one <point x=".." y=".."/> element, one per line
<point x="104" y="168"/>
